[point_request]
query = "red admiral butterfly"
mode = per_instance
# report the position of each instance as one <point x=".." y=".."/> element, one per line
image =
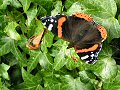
<point x="80" y="30"/>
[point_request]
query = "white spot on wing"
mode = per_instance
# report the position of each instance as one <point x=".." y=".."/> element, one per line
<point x="92" y="55"/>
<point x="50" y="27"/>
<point x="91" y="52"/>
<point x="44" y="23"/>
<point x="52" y="20"/>
<point x="84" y="57"/>
<point x="87" y="62"/>
<point x="55" y="21"/>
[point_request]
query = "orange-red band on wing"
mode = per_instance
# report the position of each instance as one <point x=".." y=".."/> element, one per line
<point x="93" y="48"/>
<point x="84" y="16"/>
<point x="102" y="31"/>
<point x="60" y="23"/>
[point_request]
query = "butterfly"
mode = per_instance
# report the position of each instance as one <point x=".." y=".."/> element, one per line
<point x="83" y="33"/>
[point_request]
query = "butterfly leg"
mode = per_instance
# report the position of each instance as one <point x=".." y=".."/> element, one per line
<point x="34" y="42"/>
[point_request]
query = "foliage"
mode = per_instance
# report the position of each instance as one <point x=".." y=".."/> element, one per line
<point x="51" y="66"/>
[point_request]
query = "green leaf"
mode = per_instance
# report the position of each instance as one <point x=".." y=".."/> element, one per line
<point x="58" y="8"/>
<point x="16" y="52"/>
<point x="29" y="86"/>
<point x="119" y="19"/>
<point x="11" y="32"/>
<point x="31" y="13"/>
<point x="47" y="41"/>
<point x="16" y="3"/>
<point x="51" y="80"/>
<point x="5" y="88"/>
<point x="46" y="4"/>
<point x="39" y="57"/>
<point x="34" y="60"/>
<point x="61" y="57"/>
<point x="72" y="64"/>
<point x="5" y="3"/>
<point x="118" y="5"/>
<point x="113" y="83"/>
<point x="39" y="27"/>
<point x="45" y="61"/>
<point x="113" y="28"/>
<point x="6" y="47"/>
<point x="75" y="84"/>
<point x="26" y="4"/>
<point x="0" y="84"/>
<point x="84" y="76"/>
<point x="2" y="24"/>
<point x="41" y="11"/>
<point x="30" y="82"/>
<point x="3" y="71"/>
<point x="76" y="7"/>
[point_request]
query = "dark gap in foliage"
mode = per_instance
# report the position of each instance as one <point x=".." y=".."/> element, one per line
<point x="10" y="8"/>
<point x="7" y="58"/>
<point x="32" y="5"/>
<point x="115" y="44"/>
<point x="0" y="61"/>
<point x="20" y="9"/>
<point x="36" y="70"/>
<point x="15" y="75"/>
<point x="25" y="68"/>
<point x="20" y="48"/>
<point x="18" y="29"/>
<point x="25" y="16"/>
<point x="74" y="72"/>
<point x="118" y="11"/>
<point x="27" y="56"/>
<point x="63" y="3"/>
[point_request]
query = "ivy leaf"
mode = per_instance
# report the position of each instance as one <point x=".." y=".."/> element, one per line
<point x="3" y="71"/>
<point x="46" y="4"/>
<point x="19" y="56"/>
<point x="113" y="83"/>
<point x="31" y="13"/>
<point x="0" y="84"/>
<point x="5" y="3"/>
<point x="34" y="60"/>
<point x="72" y="64"/>
<point x="38" y="57"/>
<point x="47" y="41"/>
<point x="26" y="4"/>
<point x="30" y="82"/>
<point x="46" y="61"/>
<point x="16" y="3"/>
<point x="11" y="32"/>
<point x="61" y="57"/>
<point x="58" y="8"/>
<point x="75" y="7"/>
<point x="6" y="47"/>
<point x="75" y="84"/>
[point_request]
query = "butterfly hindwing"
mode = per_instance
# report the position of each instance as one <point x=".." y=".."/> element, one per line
<point x="91" y="56"/>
